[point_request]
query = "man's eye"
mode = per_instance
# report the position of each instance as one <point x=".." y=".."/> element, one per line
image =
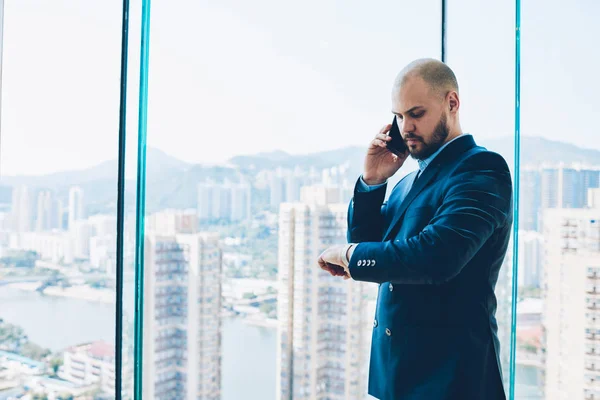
<point x="418" y="115"/>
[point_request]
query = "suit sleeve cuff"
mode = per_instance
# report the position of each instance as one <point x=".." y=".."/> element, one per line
<point x="361" y="267"/>
<point x="363" y="187"/>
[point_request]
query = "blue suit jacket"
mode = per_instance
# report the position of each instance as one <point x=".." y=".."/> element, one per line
<point x="436" y="255"/>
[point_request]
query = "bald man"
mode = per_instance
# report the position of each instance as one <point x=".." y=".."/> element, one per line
<point x="435" y="248"/>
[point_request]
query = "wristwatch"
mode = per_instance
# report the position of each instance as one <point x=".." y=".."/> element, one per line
<point x="344" y="255"/>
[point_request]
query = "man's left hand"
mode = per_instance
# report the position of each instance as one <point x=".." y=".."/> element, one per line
<point x="331" y="261"/>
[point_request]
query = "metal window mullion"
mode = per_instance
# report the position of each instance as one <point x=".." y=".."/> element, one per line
<point x="121" y="203"/>
<point x="141" y="202"/>
<point x="444" y="46"/>
<point x="516" y="184"/>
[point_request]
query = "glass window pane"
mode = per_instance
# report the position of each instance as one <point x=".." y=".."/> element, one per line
<point x="481" y="52"/>
<point x="559" y="252"/>
<point x="258" y="113"/>
<point x="60" y="113"/>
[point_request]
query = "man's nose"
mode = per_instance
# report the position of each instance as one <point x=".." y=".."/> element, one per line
<point x="408" y="127"/>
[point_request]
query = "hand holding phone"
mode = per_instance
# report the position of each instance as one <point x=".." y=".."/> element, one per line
<point x="386" y="154"/>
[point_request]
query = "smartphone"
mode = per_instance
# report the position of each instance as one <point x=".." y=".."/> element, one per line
<point x="396" y="145"/>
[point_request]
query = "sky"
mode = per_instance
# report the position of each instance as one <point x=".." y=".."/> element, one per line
<point x="234" y="77"/>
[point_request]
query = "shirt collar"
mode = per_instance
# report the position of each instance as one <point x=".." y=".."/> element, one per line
<point x="424" y="163"/>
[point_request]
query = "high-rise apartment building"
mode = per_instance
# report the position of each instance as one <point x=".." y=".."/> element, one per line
<point x="324" y="332"/>
<point x="182" y="308"/>
<point x="565" y="186"/>
<point x="22" y="209"/>
<point x="226" y="201"/>
<point x="76" y="205"/>
<point x="571" y="317"/>
<point x="553" y="186"/>
<point x="530" y="198"/>
<point x="277" y="187"/>
<point x="47" y="212"/>
<point x="530" y="258"/>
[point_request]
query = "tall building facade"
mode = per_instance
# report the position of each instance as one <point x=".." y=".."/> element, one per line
<point x="594" y="198"/>
<point x="294" y="182"/>
<point x="553" y="186"/>
<point x="182" y="323"/>
<point x="224" y="201"/>
<point x="565" y="186"/>
<point x="80" y="232"/>
<point x="324" y="329"/>
<point x="277" y="187"/>
<point x="240" y="201"/>
<point x="22" y="209"/>
<point x="47" y="212"/>
<point x="571" y="316"/>
<point x="171" y="222"/>
<point x="530" y="198"/>
<point x="76" y="205"/>
<point x="530" y="258"/>
<point x="103" y="253"/>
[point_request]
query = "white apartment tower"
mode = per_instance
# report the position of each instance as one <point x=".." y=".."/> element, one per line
<point x="76" y="207"/>
<point x="46" y="212"/>
<point x="324" y="327"/>
<point x="22" y="210"/>
<point x="226" y="201"/>
<point x="571" y="317"/>
<point x="182" y="323"/>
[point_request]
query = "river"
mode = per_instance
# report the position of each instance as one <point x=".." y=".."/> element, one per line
<point x="249" y="352"/>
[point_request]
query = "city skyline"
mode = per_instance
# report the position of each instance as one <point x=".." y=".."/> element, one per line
<point x="172" y="160"/>
<point x="318" y="219"/>
<point x="259" y="117"/>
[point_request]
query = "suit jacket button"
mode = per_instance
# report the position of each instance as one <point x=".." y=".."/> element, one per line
<point x="375" y="324"/>
<point x="391" y="287"/>
<point x="388" y="332"/>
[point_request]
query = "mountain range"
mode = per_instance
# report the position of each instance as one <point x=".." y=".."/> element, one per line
<point x="172" y="183"/>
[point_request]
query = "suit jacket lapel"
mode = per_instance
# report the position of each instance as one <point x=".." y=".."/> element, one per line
<point x="425" y="177"/>
<point x="450" y="152"/>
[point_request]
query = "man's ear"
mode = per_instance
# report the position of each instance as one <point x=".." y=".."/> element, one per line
<point x="453" y="101"/>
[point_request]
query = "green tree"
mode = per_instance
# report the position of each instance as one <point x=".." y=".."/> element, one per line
<point x="33" y="351"/>
<point x="20" y="258"/>
<point x="55" y="364"/>
<point x="267" y="308"/>
<point x="9" y="332"/>
<point x="98" y="284"/>
<point x="271" y="290"/>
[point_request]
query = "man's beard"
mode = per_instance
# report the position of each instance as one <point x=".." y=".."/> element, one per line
<point x="440" y="133"/>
